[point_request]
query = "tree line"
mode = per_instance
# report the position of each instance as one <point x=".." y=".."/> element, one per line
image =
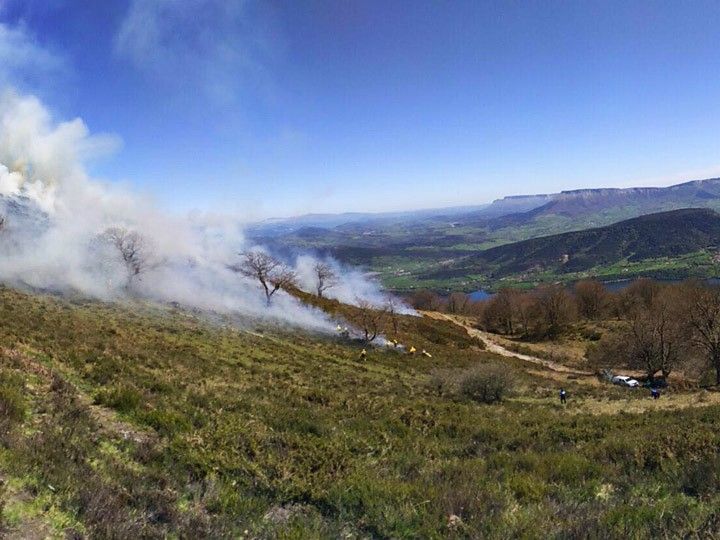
<point x="649" y="326"/>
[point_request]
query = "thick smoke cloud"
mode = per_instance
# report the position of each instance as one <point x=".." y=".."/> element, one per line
<point x="55" y="214"/>
<point x="352" y="284"/>
<point x="56" y="217"/>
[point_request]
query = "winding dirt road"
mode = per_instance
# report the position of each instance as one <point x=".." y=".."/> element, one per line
<point x="494" y="347"/>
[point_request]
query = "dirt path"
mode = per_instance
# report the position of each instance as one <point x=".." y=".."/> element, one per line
<point x="107" y="419"/>
<point x="30" y="522"/>
<point x="492" y="345"/>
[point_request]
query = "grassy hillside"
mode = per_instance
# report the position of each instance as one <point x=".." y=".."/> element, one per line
<point x="666" y="234"/>
<point x="141" y="421"/>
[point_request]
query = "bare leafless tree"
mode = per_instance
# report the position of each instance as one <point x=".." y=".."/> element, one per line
<point x="591" y="298"/>
<point x="458" y="303"/>
<point x="370" y="319"/>
<point x="703" y="317"/>
<point x="652" y="341"/>
<point x="501" y="311"/>
<point x="325" y="277"/>
<point x="392" y="306"/>
<point x="655" y="339"/>
<point x="526" y="311"/>
<point x="640" y="294"/>
<point x="555" y="309"/>
<point x="135" y="250"/>
<point x="272" y="273"/>
<point x="426" y="300"/>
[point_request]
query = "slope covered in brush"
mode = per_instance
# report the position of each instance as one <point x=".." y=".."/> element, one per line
<point x="139" y="421"/>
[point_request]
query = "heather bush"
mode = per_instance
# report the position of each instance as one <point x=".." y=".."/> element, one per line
<point x="485" y="384"/>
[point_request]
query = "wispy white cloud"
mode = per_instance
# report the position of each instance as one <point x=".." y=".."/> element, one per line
<point x="22" y="59"/>
<point x="217" y="46"/>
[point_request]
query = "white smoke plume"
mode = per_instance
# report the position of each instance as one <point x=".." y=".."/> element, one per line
<point x="56" y="213"/>
<point x="50" y="241"/>
<point x="351" y="284"/>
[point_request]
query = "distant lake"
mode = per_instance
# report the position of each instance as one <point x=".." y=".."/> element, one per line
<point x="480" y="295"/>
<point x="616" y="286"/>
<point x="612" y="286"/>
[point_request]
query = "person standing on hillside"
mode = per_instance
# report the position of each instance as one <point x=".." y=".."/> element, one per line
<point x="563" y="396"/>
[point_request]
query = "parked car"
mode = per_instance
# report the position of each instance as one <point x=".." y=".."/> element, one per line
<point x="624" y="380"/>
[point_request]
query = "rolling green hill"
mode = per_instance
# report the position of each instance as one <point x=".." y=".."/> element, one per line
<point x="665" y="234"/>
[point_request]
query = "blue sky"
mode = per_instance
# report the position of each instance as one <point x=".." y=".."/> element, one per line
<point x="287" y="107"/>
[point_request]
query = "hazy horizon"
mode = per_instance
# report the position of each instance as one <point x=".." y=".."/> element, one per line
<point x="649" y="184"/>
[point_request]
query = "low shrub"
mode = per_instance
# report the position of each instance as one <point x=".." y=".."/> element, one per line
<point x="166" y="422"/>
<point x="485" y="384"/>
<point x="526" y="487"/>
<point x="442" y="381"/>
<point x="702" y="478"/>
<point x="590" y="334"/>
<point x="102" y="370"/>
<point x="122" y="398"/>
<point x="12" y="403"/>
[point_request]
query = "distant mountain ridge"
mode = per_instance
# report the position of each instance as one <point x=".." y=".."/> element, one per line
<point x="515" y="210"/>
<point x="583" y="208"/>
<point x="279" y="226"/>
<point x="578" y="203"/>
<point x="437" y="249"/>
<point x="515" y="203"/>
<point x="574" y="202"/>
